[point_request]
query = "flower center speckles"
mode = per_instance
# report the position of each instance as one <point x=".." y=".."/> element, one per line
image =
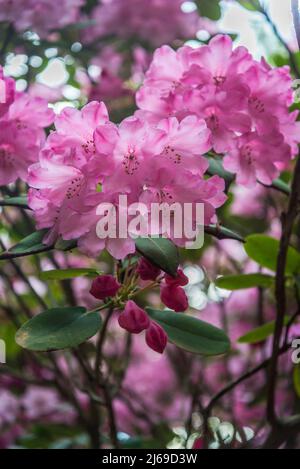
<point x="175" y="85"/>
<point x="74" y="187"/>
<point x="247" y="153"/>
<point x="165" y="196"/>
<point x="89" y="147"/>
<point x="57" y="211"/>
<point x="219" y="80"/>
<point x="21" y="125"/>
<point x="256" y="104"/>
<point x="7" y="153"/>
<point x="172" y="154"/>
<point x="213" y="122"/>
<point x="130" y="162"/>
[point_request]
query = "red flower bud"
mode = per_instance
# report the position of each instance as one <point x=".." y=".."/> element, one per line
<point x="133" y="318"/>
<point x="174" y="297"/>
<point x="147" y="270"/>
<point x="198" y="443"/>
<point x="180" y="279"/>
<point x="104" y="286"/>
<point x="156" y="338"/>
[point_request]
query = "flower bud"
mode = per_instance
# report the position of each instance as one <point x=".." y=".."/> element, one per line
<point x="198" y="443"/>
<point x="104" y="286"/>
<point x="134" y="319"/>
<point x="156" y="338"/>
<point x="147" y="270"/>
<point x="174" y="297"/>
<point x="180" y="279"/>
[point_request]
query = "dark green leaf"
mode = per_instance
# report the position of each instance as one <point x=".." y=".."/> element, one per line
<point x="15" y="202"/>
<point x="161" y="252"/>
<point x="264" y="250"/>
<point x="210" y="9"/>
<point x="240" y="282"/>
<point x="260" y="333"/>
<point x="66" y="245"/>
<point x="220" y="232"/>
<point x="58" y="328"/>
<point x="191" y="334"/>
<point x="32" y="244"/>
<point x="216" y="168"/>
<point x="63" y="274"/>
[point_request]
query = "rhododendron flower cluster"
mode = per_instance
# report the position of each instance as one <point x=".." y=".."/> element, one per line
<point x="39" y="15"/>
<point x="21" y="133"/>
<point x="245" y="104"/>
<point x="148" y="163"/>
<point x="165" y="20"/>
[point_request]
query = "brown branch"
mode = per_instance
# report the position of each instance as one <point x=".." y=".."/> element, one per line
<point x="263" y="365"/>
<point x="100" y="344"/>
<point x="288" y="220"/>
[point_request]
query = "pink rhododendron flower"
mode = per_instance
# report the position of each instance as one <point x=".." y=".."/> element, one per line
<point x="165" y="20"/>
<point x="7" y="92"/>
<point x="245" y="104"/>
<point x="63" y="177"/>
<point x="9" y="407"/>
<point x="146" y="162"/>
<point x="39" y="15"/>
<point x="22" y="136"/>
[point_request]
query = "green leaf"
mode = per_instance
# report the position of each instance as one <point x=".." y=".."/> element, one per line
<point x="296" y="377"/>
<point x="65" y="245"/>
<point x="261" y="333"/>
<point x="281" y="186"/>
<point x="264" y="250"/>
<point x="220" y="232"/>
<point x="252" y="5"/>
<point x="32" y="244"/>
<point x="210" y="9"/>
<point x="191" y="334"/>
<point x="15" y="202"/>
<point x="63" y="274"/>
<point x="161" y="252"/>
<point x="241" y="282"/>
<point x="57" y="329"/>
<point x="7" y="333"/>
<point x="216" y="168"/>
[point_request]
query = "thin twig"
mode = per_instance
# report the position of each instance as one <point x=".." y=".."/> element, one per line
<point x="294" y="64"/>
<point x="288" y="220"/>
<point x="263" y="365"/>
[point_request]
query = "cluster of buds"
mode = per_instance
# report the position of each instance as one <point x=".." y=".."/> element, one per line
<point x="134" y="319"/>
